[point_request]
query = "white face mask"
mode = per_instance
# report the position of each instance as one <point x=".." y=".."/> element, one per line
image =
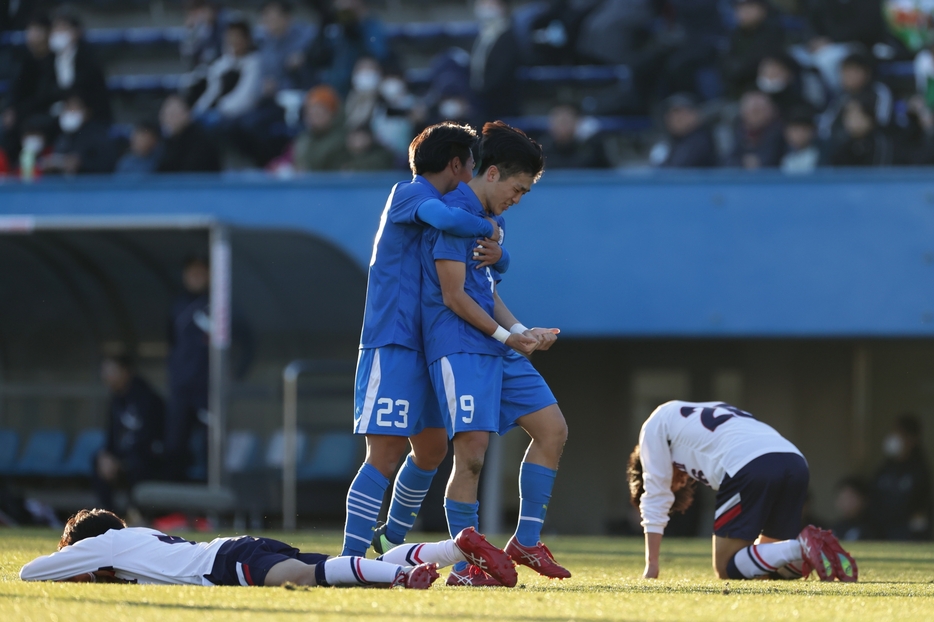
<point x="392" y="89"/>
<point x="451" y="109"/>
<point x="366" y="81"/>
<point x="485" y="12"/>
<point x="70" y="121"/>
<point x="770" y="85"/>
<point x="59" y="41"/>
<point x="893" y="445"/>
<point x="33" y="144"/>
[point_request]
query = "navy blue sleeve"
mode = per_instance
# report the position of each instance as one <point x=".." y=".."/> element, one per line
<point x="453" y="220"/>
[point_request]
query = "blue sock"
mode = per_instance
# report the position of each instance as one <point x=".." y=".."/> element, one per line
<point x="535" y="484"/>
<point x="460" y="517"/>
<point x="364" y="500"/>
<point x="411" y="486"/>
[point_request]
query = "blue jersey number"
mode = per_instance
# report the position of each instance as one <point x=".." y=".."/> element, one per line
<point x="712" y="421"/>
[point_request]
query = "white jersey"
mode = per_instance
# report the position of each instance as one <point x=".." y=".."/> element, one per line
<point x="706" y="440"/>
<point x="135" y="554"/>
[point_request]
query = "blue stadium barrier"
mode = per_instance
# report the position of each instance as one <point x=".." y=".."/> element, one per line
<point x="9" y="443"/>
<point x="43" y="453"/>
<point x="86" y="445"/>
<point x="335" y="457"/>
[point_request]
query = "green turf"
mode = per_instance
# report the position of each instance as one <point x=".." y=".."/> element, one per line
<point x="897" y="583"/>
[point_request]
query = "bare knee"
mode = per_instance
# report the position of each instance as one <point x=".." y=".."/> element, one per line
<point x="429" y="449"/>
<point x="384" y="452"/>
<point x="291" y="571"/>
<point x="469" y="452"/>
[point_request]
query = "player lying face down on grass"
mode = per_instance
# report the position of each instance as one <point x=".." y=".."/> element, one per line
<point x="474" y="346"/>
<point x="761" y="480"/>
<point x="98" y="546"/>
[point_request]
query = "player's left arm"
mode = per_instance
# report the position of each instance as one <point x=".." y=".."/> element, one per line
<point x="545" y="337"/>
<point x="72" y="563"/>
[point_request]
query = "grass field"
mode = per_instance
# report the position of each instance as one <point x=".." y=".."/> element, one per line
<point x="897" y="583"/>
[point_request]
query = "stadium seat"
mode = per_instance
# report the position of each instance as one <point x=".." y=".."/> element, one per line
<point x="198" y="471"/>
<point x="243" y="454"/>
<point x="43" y="453"/>
<point x="275" y="450"/>
<point x="87" y="444"/>
<point x="9" y="443"/>
<point x="335" y="457"/>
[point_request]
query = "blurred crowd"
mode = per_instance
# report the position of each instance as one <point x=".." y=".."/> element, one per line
<point x="789" y="84"/>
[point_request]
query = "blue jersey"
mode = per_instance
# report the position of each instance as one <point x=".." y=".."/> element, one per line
<point x="443" y="330"/>
<point x="392" y="315"/>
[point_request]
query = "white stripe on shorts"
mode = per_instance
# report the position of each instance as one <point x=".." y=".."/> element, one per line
<point x="240" y="576"/>
<point x="726" y="506"/>
<point x="450" y="392"/>
<point x="372" y="388"/>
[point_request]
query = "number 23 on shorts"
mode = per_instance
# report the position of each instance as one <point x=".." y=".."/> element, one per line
<point x="386" y="407"/>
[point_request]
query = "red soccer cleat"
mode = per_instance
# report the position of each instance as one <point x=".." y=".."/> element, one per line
<point x="844" y="566"/>
<point x="487" y="557"/>
<point x="538" y="558"/>
<point x="418" y="578"/>
<point x="812" y="554"/>
<point x="471" y="576"/>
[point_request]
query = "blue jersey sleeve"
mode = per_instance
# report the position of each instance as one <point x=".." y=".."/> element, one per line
<point x="451" y="247"/>
<point x="453" y="220"/>
<point x="502" y="265"/>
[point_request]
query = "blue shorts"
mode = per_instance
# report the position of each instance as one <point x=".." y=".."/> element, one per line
<point x="764" y="497"/>
<point x="486" y="393"/>
<point x="246" y="560"/>
<point x="393" y="394"/>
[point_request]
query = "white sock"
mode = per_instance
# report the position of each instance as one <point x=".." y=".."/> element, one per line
<point x="340" y="571"/>
<point x="444" y="553"/>
<point x="761" y="559"/>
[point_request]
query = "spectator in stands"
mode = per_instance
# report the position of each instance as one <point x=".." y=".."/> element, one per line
<point x="900" y="497"/>
<point x="494" y="60"/>
<point x="758" y="138"/>
<point x="852" y="504"/>
<point x="569" y="143"/>
<point x="145" y="151"/>
<point x="914" y="142"/>
<point x="282" y="47"/>
<point x="321" y="147"/>
<point x="136" y="416"/>
<point x="689" y="141"/>
<point x="392" y="119"/>
<point x="614" y="31"/>
<point x="186" y="148"/>
<point x="758" y="34"/>
<point x="234" y="81"/>
<point x="204" y="34"/>
<point x="802" y="153"/>
<point x="362" y="153"/>
<point x="16" y="14"/>
<point x="364" y="93"/>
<point x="348" y="32"/>
<point x="84" y="145"/>
<point x="36" y="146"/>
<point x="782" y="79"/>
<point x="77" y="69"/>
<point x="863" y="142"/>
<point x="856" y="77"/>
<point x="32" y="86"/>
<point x="189" y="334"/>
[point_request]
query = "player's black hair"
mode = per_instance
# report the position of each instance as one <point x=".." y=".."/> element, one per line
<point x="683" y="497"/>
<point x="510" y="151"/>
<point x="437" y="145"/>
<point x="88" y="524"/>
<point x="285" y="6"/>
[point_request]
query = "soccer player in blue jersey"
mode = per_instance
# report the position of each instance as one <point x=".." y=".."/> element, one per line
<point x="394" y="405"/>
<point x="474" y="347"/>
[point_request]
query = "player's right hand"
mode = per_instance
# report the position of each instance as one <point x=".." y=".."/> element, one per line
<point x="497" y="232"/>
<point x="521" y="343"/>
<point x="546" y="337"/>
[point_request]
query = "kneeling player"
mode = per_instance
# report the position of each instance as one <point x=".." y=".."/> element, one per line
<point x="761" y="481"/>
<point x="98" y="546"/>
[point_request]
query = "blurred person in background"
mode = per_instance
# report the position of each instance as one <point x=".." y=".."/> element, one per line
<point x="758" y="34"/>
<point x="758" y="134"/>
<point x="802" y="153"/>
<point x="234" y="81"/>
<point x="613" y="32"/>
<point x="788" y="85"/>
<point x="145" y="151"/>
<point x="392" y="123"/>
<point x="494" y="60"/>
<point x="364" y="94"/>
<point x="321" y="146"/>
<point x="36" y="146"/>
<point x="862" y="142"/>
<point x="189" y="333"/>
<point x="900" y="496"/>
<point x="852" y="503"/>
<point x="689" y="141"/>
<point x="856" y="78"/>
<point x="77" y="69"/>
<point x="133" y="449"/>
<point x="32" y="86"/>
<point x="836" y="28"/>
<point x="348" y="31"/>
<point x="914" y="141"/>
<point x="363" y="153"/>
<point x="204" y="34"/>
<point x="568" y="143"/>
<point x="84" y="145"/>
<point x="186" y="148"/>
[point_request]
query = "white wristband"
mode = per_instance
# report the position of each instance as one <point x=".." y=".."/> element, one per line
<point x="501" y="334"/>
<point x="518" y="328"/>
